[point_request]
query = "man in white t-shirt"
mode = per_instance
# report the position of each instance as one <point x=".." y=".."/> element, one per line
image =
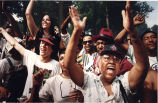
<point x="59" y="88"/>
<point x="106" y="88"/>
<point x="36" y="62"/>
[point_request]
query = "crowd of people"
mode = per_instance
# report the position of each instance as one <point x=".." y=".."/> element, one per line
<point x="53" y="66"/>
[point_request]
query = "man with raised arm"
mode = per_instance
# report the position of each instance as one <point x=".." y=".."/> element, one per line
<point x="35" y="62"/>
<point x="106" y="87"/>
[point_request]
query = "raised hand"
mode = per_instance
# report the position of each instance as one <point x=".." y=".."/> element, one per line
<point x="38" y="78"/>
<point x="138" y="19"/>
<point x="77" y="23"/>
<point x="126" y="15"/>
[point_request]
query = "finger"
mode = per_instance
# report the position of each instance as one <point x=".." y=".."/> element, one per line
<point x="70" y="11"/>
<point x="84" y="20"/>
<point x="123" y="14"/>
<point x="73" y="10"/>
<point x="128" y="9"/>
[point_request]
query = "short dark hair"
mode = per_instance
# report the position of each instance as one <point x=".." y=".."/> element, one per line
<point x="62" y="51"/>
<point x="148" y="31"/>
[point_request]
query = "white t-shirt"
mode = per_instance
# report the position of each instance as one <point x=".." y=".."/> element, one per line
<point x="56" y="88"/>
<point x="152" y="60"/>
<point x="2" y="46"/>
<point x="33" y="63"/>
<point x="96" y="93"/>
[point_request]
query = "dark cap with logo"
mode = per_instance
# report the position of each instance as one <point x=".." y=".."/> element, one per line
<point x="113" y="49"/>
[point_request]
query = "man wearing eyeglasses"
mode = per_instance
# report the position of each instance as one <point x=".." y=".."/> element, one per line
<point x="107" y="87"/>
<point x="89" y="55"/>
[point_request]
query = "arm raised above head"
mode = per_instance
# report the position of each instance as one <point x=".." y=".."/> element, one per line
<point x="140" y="69"/>
<point x="30" y="21"/>
<point x="137" y="20"/>
<point x="12" y="41"/>
<point x="70" y="63"/>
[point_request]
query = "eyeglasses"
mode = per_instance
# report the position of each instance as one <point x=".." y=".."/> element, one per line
<point x="62" y="92"/>
<point x="108" y="57"/>
<point x="89" y="41"/>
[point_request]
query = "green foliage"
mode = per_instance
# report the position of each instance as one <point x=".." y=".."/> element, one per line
<point x="155" y="28"/>
<point x="96" y="13"/>
<point x="94" y="10"/>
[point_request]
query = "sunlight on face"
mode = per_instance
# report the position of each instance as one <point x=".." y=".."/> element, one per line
<point x="46" y="22"/>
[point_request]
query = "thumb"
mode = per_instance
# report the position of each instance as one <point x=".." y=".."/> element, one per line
<point x="123" y="14"/>
<point x="84" y="20"/>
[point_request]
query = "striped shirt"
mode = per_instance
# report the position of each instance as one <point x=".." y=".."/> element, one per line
<point x="88" y="61"/>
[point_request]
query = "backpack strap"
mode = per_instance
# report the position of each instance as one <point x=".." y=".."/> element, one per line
<point x="10" y="63"/>
<point x="123" y="92"/>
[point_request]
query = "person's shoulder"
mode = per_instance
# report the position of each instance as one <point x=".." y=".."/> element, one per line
<point x="52" y="79"/>
<point x="90" y="74"/>
<point x="53" y="61"/>
<point x="125" y="75"/>
<point x="3" y="61"/>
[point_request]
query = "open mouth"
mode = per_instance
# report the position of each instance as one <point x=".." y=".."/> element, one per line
<point x="110" y="69"/>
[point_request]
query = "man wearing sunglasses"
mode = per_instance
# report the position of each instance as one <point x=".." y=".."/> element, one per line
<point x="106" y="87"/>
<point x="89" y="55"/>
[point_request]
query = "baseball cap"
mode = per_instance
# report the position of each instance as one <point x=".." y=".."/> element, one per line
<point x="48" y="38"/>
<point x="105" y="34"/>
<point x="113" y="49"/>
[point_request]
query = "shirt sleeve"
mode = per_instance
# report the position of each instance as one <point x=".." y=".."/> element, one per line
<point x="28" y="57"/>
<point x="4" y="68"/>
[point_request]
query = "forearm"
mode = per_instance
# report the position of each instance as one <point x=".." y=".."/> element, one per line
<point x="72" y="46"/>
<point x="139" y="52"/>
<point x="119" y="37"/>
<point x="13" y="42"/>
<point x="75" y="71"/>
<point x="30" y="21"/>
<point x="29" y="8"/>
<point x="34" y="95"/>
<point x="64" y="25"/>
<point x="140" y="69"/>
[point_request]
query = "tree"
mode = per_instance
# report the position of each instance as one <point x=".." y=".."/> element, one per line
<point x="98" y="11"/>
<point x="40" y="8"/>
<point x="155" y="28"/>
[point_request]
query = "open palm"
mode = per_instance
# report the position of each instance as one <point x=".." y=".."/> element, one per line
<point x="127" y="22"/>
<point x="77" y="23"/>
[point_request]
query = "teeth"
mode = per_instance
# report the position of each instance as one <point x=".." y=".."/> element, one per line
<point x="111" y="68"/>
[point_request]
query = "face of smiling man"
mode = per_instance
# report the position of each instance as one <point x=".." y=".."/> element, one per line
<point x="45" y="49"/>
<point x="150" y="41"/>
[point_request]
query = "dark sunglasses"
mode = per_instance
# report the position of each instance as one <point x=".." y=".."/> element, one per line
<point x="89" y="41"/>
